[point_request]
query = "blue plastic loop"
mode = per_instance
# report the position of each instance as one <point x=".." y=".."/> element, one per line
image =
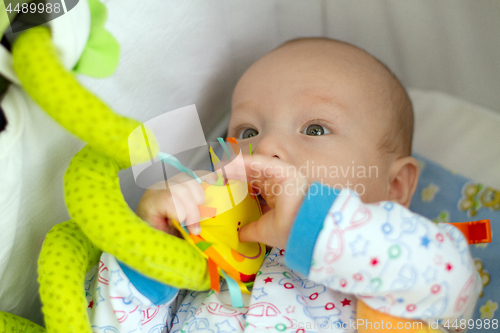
<point x="223" y="144"/>
<point x="173" y="161"/>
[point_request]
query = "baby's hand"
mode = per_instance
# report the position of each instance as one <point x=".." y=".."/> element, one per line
<point x="283" y="188"/>
<point x="179" y="201"/>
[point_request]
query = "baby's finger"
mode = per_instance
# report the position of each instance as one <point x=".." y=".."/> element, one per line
<point x="174" y="209"/>
<point x="196" y="192"/>
<point x="232" y="170"/>
<point x="184" y="197"/>
<point x="194" y="228"/>
<point x="265" y="167"/>
<point x="264" y="231"/>
<point x="207" y="176"/>
<point x="252" y="167"/>
<point x="159" y="209"/>
<point x="193" y="185"/>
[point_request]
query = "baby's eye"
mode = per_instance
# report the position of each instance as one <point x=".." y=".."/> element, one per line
<point x="248" y="133"/>
<point x="315" y="129"/>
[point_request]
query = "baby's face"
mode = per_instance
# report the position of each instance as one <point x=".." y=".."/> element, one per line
<point x="318" y="107"/>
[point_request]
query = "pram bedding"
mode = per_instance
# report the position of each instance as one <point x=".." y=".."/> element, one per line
<point x="175" y="54"/>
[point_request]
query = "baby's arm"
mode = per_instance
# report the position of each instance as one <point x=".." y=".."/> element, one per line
<point x="396" y="261"/>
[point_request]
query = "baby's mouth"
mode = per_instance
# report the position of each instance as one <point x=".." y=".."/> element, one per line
<point x="263" y="204"/>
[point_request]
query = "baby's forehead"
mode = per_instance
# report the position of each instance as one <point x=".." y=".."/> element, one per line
<point x="328" y="54"/>
<point x="320" y="65"/>
<point x="316" y="68"/>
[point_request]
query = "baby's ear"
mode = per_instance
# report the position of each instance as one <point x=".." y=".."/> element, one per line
<point x="403" y="180"/>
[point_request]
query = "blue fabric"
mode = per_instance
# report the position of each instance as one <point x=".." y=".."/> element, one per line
<point x="234" y="291"/>
<point x="157" y="292"/>
<point x="307" y="225"/>
<point x="443" y="196"/>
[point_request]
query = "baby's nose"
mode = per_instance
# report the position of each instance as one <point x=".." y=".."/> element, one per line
<point x="272" y="146"/>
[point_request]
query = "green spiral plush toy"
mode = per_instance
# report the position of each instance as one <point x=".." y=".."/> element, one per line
<point x="100" y="218"/>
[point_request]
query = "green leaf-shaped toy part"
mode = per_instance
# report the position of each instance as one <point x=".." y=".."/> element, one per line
<point x="203" y="245"/>
<point x="102" y="52"/>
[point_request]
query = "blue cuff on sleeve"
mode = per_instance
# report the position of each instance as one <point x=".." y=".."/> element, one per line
<point x="307" y="225"/>
<point x="157" y="292"/>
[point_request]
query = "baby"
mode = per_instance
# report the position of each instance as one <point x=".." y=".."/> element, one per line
<point x="331" y="129"/>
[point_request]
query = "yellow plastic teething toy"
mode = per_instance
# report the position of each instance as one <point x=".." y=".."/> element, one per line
<point x="218" y="240"/>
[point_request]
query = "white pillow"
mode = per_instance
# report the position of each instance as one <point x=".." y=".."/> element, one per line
<point x="460" y="136"/>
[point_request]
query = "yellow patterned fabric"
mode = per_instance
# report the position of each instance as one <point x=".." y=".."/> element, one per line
<point x="58" y="92"/>
<point x="10" y="323"/>
<point x="95" y="201"/>
<point x="67" y="254"/>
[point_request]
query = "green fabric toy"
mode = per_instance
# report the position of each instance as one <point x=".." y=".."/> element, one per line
<point x="101" y="219"/>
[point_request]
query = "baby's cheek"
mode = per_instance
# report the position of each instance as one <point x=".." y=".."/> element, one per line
<point x="374" y="191"/>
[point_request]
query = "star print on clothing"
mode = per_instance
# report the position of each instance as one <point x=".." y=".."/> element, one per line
<point x="271" y="257"/>
<point x="358" y="246"/>
<point x="184" y="307"/>
<point x="290" y="309"/>
<point x="88" y="283"/>
<point x="115" y="277"/>
<point x="225" y="327"/>
<point x="99" y="297"/>
<point x="346" y="302"/>
<point x="425" y="241"/>
<point x="374" y="261"/>
<point x="268" y="279"/>
<point x="448" y="267"/>
<point x="336" y="217"/>
<point x="91" y="304"/>
<point x="258" y="292"/>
